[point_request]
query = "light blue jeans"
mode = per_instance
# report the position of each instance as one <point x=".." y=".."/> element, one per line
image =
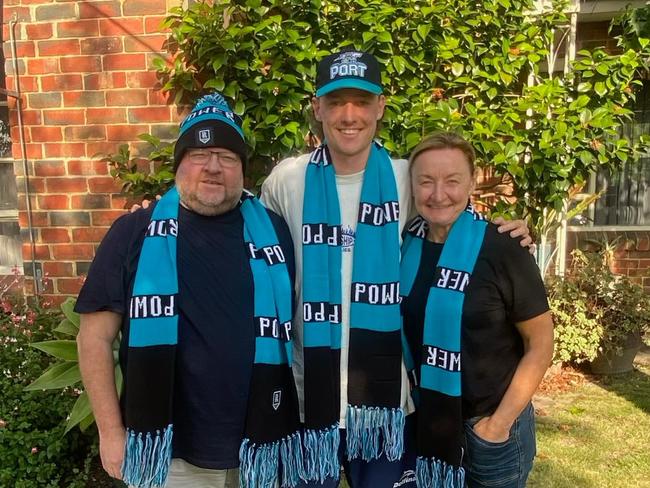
<point x="501" y="464"/>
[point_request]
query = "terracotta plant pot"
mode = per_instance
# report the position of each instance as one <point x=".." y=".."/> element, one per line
<point x="611" y="363"/>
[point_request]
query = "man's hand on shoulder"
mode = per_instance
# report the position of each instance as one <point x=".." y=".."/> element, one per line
<point x="516" y="228"/>
<point x="111" y="451"/>
<point x="145" y="204"/>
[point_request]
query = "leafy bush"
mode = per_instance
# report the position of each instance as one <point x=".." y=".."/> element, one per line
<point x="34" y="452"/>
<point x="448" y="65"/>
<point x="594" y="309"/>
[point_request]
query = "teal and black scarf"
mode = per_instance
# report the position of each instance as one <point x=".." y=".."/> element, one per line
<point x="272" y="434"/>
<point x="374" y="420"/>
<point x="439" y="429"/>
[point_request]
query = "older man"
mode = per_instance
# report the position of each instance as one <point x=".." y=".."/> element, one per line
<point x="200" y="287"/>
<point x="346" y="204"/>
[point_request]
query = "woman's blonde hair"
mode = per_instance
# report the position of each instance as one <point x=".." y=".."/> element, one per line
<point x="445" y="140"/>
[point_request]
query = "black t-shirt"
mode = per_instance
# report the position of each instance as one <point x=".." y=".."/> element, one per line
<point x="216" y="338"/>
<point x="505" y="288"/>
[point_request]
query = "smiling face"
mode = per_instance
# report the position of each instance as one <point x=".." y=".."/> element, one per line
<point x="349" y="118"/>
<point x="442" y="183"/>
<point x="210" y="188"/>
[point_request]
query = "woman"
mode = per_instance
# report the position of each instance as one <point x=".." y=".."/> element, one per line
<point x="477" y="326"/>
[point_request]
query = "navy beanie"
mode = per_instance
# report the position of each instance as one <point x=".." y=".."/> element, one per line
<point x="211" y="123"/>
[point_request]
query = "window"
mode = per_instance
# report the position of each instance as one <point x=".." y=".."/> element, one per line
<point x="626" y="201"/>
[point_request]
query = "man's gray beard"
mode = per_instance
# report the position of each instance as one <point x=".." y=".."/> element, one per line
<point x="192" y="202"/>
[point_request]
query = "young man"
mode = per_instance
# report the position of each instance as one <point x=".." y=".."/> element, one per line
<point x="200" y="286"/>
<point x="346" y="204"/>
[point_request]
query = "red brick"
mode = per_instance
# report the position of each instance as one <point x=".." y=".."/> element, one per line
<point x="111" y="115"/>
<point x="157" y="97"/>
<point x="120" y="27"/>
<point x="78" y="28"/>
<point x="81" y="64"/>
<point x="27" y="84"/>
<point x="87" y="167"/>
<point x="101" y="149"/>
<point x="36" y="184"/>
<point x="23" y="49"/>
<point x="89" y="234"/>
<point x="144" y="7"/>
<point x="57" y="268"/>
<point x="152" y="24"/>
<point x="69" y="252"/>
<point x="66" y="47"/>
<point x="70" y="286"/>
<point x="38" y="219"/>
<point x="38" y="31"/>
<point x="22" y="202"/>
<point x="119" y="201"/>
<point x="44" y="100"/>
<point x="54" y="234"/>
<point x="119" y="80"/>
<point x="124" y="62"/>
<point x="34" y="151"/>
<point x="101" y="81"/>
<point x="101" y="10"/>
<point x="125" y="132"/>
<point x="52" y="301"/>
<point x="64" y="117"/>
<point x="42" y="251"/>
<point x="62" y="82"/>
<point x="49" y="168"/>
<point x="65" y="150"/>
<point x="643" y="244"/>
<point x="55" y="11"/>
<point x="46" y="134"/>
<point x="149" y="114"/>
<point x="106" y="217"/>
<point x="101" y="45"/>
<point x="151" y="43"/>
<point x="42" y="66"/>
<point x="103" y="184"/>
<point x="126" y="97"/>
<point x="22" y="14"/>
<point x="66" y="185"/>
<point x="53" y="202"/>
<point x="85" y="133"/>
<point x="84" y="99"/>
<point x="142" y="79"/>
<point x="90" y="201"/>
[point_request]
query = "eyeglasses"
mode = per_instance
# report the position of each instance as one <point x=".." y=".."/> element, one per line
<point x="202" y="156"/>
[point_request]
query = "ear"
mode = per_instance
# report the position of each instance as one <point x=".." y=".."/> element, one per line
<point x="382" y="106"/>
<point x="315" y="106"/>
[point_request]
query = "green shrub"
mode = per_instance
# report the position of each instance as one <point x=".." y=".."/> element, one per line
<point x="595" y="310"/>
<point x="34" y="452"/>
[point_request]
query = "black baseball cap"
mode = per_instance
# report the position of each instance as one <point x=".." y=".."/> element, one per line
<point x="348" y="69"/>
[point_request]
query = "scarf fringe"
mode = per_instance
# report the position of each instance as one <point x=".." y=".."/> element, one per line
<point x="259" y="464"/>
<point x="147" y="458"/>
<point x="364" y="426"/>
<point x="434" y="473"/>
<point x="321" y="453"/>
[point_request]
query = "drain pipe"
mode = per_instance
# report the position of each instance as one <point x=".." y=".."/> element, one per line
<point x="23" y="149"/>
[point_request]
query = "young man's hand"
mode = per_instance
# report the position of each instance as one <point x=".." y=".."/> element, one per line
<point x="517" y="228"/>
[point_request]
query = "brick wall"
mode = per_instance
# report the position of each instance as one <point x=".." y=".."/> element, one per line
<point x="632" y="251"/>
<point x="85" y="71"/>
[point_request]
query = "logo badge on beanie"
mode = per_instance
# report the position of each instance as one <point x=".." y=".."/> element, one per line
<point x="205" y="136"/>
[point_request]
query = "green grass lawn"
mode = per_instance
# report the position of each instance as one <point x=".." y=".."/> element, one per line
<point x="597" y="434"/>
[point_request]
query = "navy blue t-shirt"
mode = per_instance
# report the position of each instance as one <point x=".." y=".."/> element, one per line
<point x="214" y="357"/>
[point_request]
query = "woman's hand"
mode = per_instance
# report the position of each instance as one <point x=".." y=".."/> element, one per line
<point x="491" y="430"/>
